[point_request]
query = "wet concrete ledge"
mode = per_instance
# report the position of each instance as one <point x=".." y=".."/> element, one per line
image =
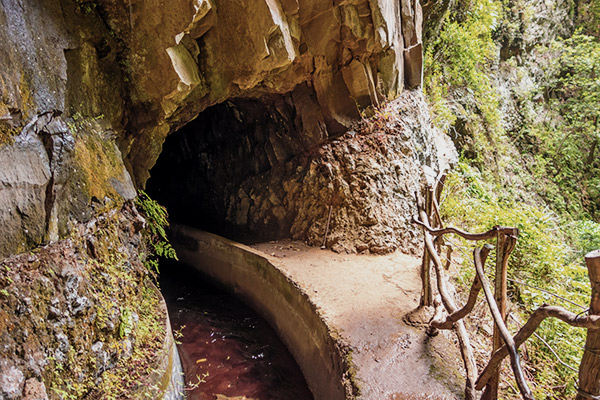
<point x="318" y="349"/>
<point x="167" y="370"/>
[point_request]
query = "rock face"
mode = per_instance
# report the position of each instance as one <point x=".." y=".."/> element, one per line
<point x="133" y="72"/>
<point x="62" y="313"/>
<point x="49" y="175"/>
<point x="346" y="54"/>
<point x="242" y="170"/>
<point x="59" y="109"/>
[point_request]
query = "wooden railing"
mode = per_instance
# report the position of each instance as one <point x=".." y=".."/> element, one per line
<point x="445" y="314"/>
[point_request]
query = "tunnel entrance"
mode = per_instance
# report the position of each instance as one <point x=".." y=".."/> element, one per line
<point x="224" y="171"/>
<point x="276" y="166"/>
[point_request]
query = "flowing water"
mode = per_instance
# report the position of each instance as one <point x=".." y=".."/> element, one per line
<point x="227" y="350"/>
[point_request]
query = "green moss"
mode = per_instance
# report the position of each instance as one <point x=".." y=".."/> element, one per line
<point x="350" y="375"/>
<point x="98" y="162"/>
<point x="118" y="288"/>
<point x="7" y="133"/>
<point x="27" y="99"/>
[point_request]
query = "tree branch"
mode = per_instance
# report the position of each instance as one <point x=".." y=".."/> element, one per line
<point x="449" y="321"/>
<point x="492" y="233"/>
<point x="508" y="339"/>
<point x="534" y="321"/>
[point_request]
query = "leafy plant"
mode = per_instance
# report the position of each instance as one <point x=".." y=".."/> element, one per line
<point x="126" y="323"/>
<point x="587" y="237"/>
<point x="156" y="224"/>
<point x="565" y="129"/>
<point x="457" y="64"/>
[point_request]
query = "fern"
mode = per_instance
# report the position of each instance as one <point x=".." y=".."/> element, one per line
<point x="157" y="222"/>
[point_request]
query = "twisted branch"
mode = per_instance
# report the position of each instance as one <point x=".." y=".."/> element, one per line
<point x="508" y="339"/>
<point x="449" y="321"/>
<point x="461" y="331"/>
<point x="534" y="321"/>
<point x="492" y="233"/>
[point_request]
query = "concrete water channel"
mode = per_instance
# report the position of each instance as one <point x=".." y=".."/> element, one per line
<point x="340" y="316"/>
<point x="228" y="351"/>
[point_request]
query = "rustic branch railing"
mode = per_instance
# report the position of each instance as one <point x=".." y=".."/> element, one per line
<point x="446" y="315"/>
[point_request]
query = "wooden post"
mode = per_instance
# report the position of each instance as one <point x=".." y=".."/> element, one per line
<point x="504" y="246"/>
<point x="589" y="370"/>
<point x="427" y="290"/>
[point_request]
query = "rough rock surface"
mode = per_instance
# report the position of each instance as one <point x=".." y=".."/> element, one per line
<point x="59" y="329"/>
<point x="180" y="60"/>
<point x="49" y="175"/>
<point x="234" y="171"/>
<point x="138" y="71"/>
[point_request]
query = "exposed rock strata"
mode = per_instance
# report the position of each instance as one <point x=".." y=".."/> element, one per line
<point x="49" y="176"/>
<point x="350" y="54"/>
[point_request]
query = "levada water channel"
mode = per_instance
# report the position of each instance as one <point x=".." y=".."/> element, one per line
<point x="228" y="351"/>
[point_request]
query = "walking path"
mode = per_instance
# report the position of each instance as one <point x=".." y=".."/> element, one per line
<point x="365" y="297"/>
<point x="361" y="299"/>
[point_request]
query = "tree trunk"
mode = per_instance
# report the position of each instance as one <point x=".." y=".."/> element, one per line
<point x="589" y="370"/>
<point x="491" y="390"/>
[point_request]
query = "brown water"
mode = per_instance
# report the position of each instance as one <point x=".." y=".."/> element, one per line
<point x="227" y="350"/>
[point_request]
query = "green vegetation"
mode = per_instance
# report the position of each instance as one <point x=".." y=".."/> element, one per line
<point x="588" y="16"/>
<point x="562" y="132"/>
<point x="542" y="258"/>
<point x="456" y="81"/>
<point x="98" y="161"/>
<point x="156" y="223"/>
<point x="529" y="158"/>
<point x="129" y="324"/>
<point x="7" y="133"/>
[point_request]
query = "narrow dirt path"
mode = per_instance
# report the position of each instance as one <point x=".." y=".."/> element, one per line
<point x="365" y="297"/>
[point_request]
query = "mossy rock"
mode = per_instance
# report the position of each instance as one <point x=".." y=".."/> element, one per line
<point x="101" y="169"/>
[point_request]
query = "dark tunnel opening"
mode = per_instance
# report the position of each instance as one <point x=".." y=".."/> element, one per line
<point x="223" y="172"/>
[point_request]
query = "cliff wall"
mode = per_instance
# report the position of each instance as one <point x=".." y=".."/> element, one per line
<point x="91" y="89"/>
<point x="104" y="82"/>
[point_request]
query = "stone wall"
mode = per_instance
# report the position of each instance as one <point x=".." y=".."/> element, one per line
<point x="74" y="318"/>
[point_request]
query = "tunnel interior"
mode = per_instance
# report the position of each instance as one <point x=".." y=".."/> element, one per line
<point x="223" y="172"/>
